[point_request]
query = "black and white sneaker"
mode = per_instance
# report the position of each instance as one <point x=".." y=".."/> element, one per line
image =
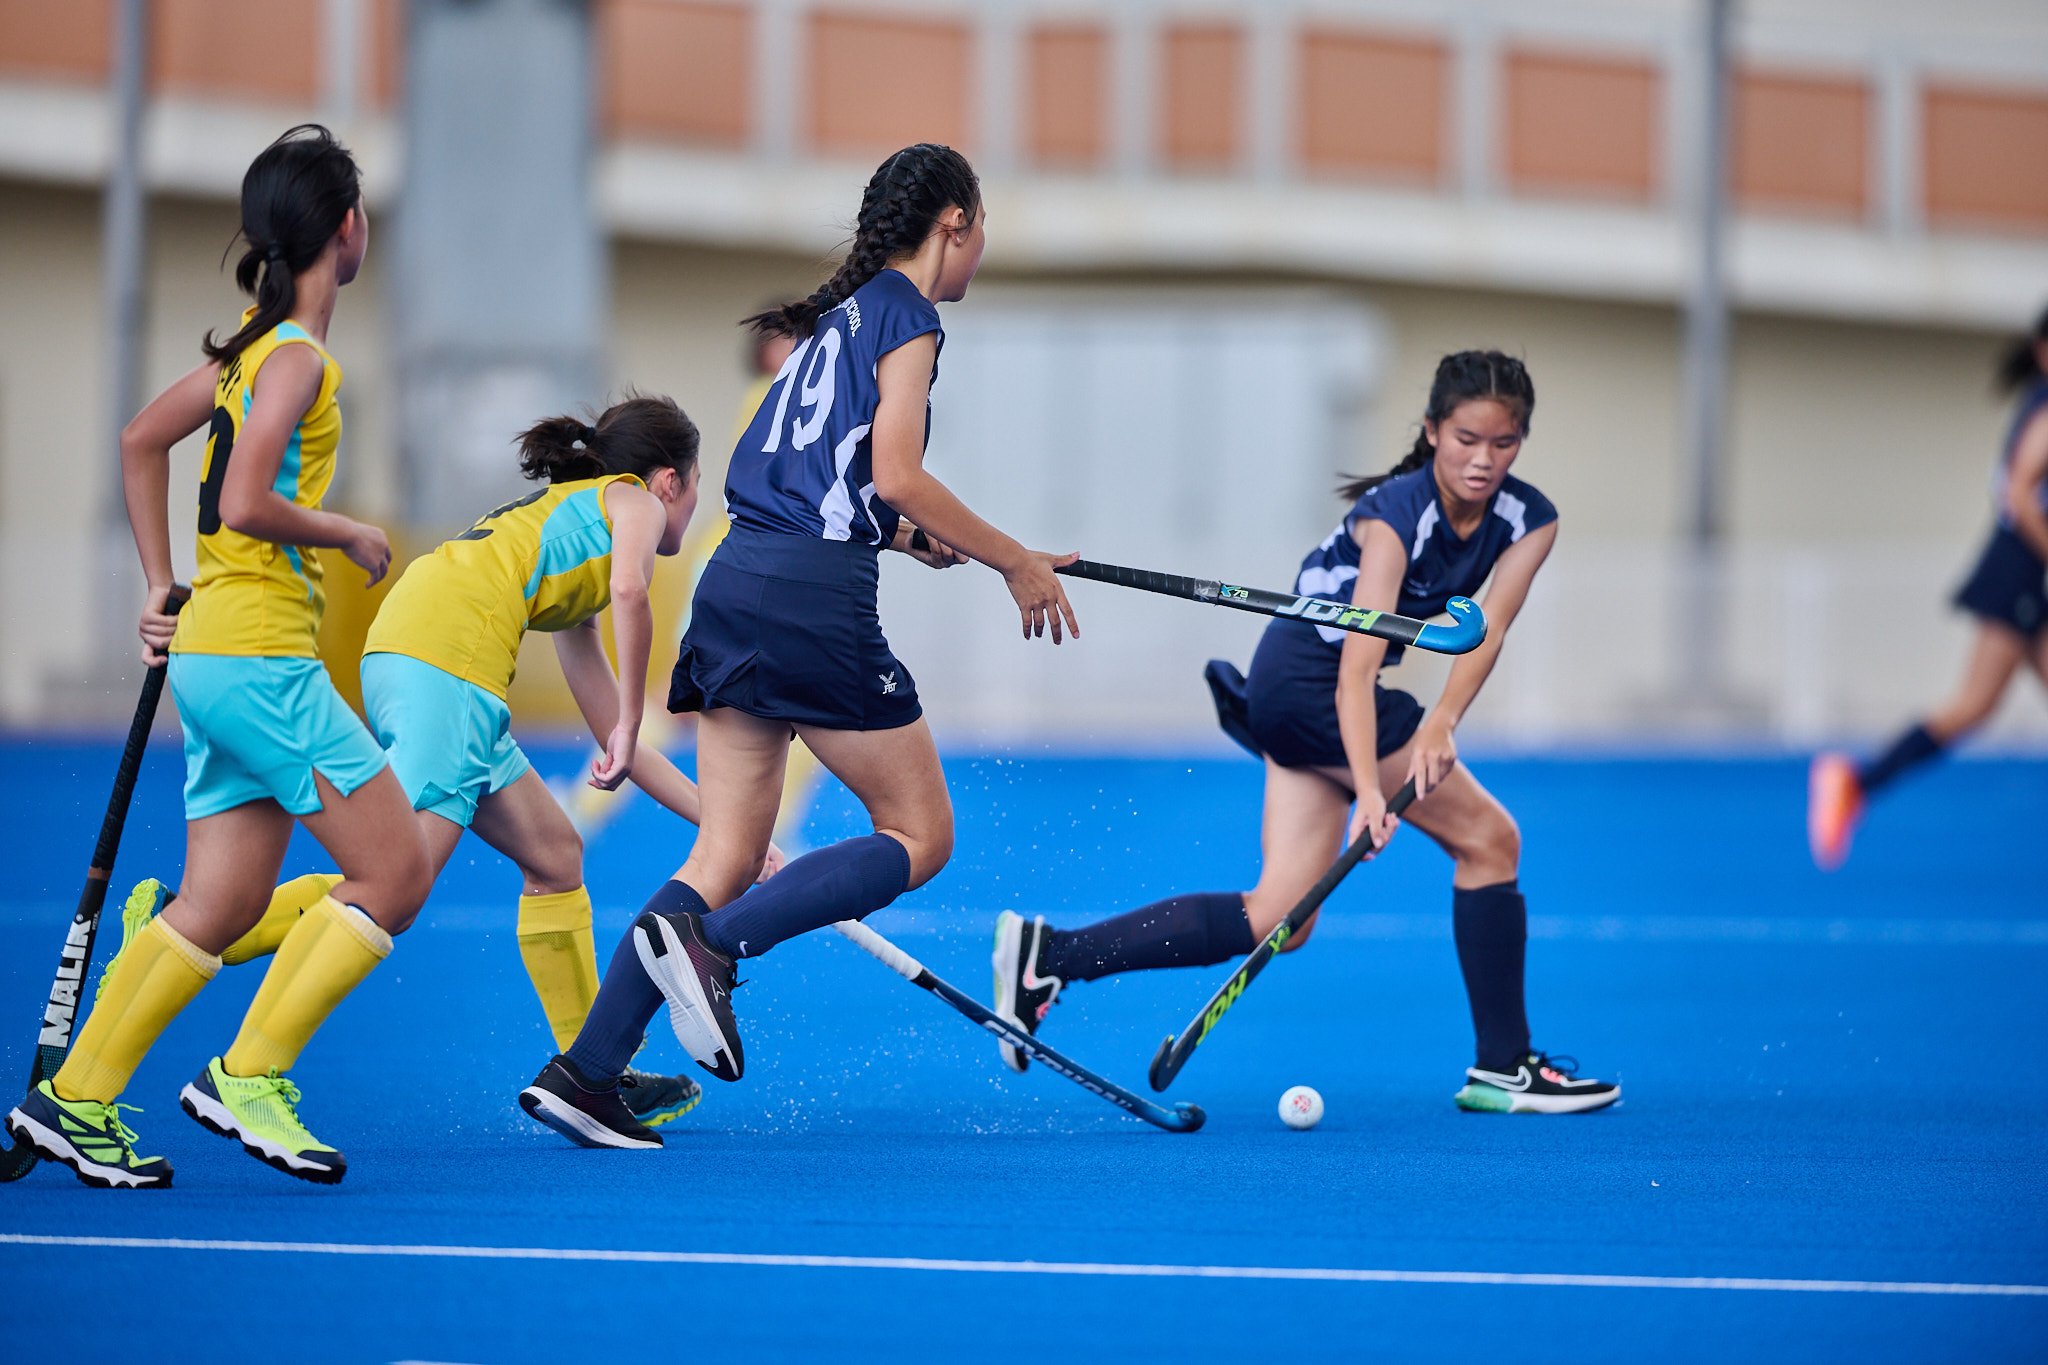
<point x="697" y="980"/>
<point x="588" y="1115"/>
<point x="656" y="1099"/>
<point x="1022" y="995"/>
<point x="1539" y="1084"/>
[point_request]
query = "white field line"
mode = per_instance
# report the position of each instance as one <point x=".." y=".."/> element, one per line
<point x="1115" y="1270"/>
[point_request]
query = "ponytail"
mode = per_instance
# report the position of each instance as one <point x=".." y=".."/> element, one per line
<point x="2020" y="364"/>
<point x="637" y="435"/>
<point x="904" y="198"/>
<point x="295" y="195"/>
<point x="1461" y="377"/>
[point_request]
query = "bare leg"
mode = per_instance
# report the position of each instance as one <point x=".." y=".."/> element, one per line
<point x="1995" y="655"/>
<point x="740" y="764"/>
<point x="1300" y="834"/>
<point x="231" y="862"/>
<point x="896" y="775"/>
<point x="373" y="836"/>
<point x="524" y="823"/>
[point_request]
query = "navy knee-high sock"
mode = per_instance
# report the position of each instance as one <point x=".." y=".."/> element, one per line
<point x="1491" y="924"/>
<point x="1907" y="752"/>
<point x="1181" y="931"/>
<point x="847" y="880"/>
<point x="627" y="999"/>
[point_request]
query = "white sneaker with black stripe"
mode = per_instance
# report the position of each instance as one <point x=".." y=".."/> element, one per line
<point x="1022" y="996"/>
<point x="1539" y="1084"/>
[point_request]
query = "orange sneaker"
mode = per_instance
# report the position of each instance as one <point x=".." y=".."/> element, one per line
<point x="1834" y="807"/>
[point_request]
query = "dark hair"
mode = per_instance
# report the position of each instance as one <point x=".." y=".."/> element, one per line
<point x="1461" y="377"/>
<point x="2020" y="365"/>
<point x="904" y="197"/>
<point x="636" y="435"/>
<point x="294" y="196"/>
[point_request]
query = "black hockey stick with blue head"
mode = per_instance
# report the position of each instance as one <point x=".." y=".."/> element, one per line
<point x="1182" y="1118"/>
<point x="1462" y="636"/>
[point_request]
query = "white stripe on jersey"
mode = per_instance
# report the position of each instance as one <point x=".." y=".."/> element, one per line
<point x="1423" y="526"/>
<point x="836" y="511"/>
<point x="1513" y="511"/>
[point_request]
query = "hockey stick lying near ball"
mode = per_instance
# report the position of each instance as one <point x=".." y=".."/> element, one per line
<point x="1464" y="635"/>
<point x="1173" y="1054"/>
<point x="60" y="1011"/>
<point x="1182" y="1118"/>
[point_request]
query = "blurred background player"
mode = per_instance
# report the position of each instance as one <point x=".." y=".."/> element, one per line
<point x="784" y="641"/>
<point x="2007" y="594"/>
<point x="439" y="663"/>
<point x="267" y="738"/>
<point x="1435" y="526"/>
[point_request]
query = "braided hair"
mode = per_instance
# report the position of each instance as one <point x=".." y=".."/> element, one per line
<point x="1461" y="377"/>
<point x="904" y="198"/>
<point x="294" y="197"/>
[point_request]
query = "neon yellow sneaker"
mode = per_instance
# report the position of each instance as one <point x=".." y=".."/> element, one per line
<point x="149" y="898"/>
<point x="89" y="1137"/>
<point x="261" y="1113"/>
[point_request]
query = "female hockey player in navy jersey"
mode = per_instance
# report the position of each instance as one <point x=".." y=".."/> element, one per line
<point x="784" y="639"/>
<point x="1332" y="738"/>
<point x="2007" y="592"/>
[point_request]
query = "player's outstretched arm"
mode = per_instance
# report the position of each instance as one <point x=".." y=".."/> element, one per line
<point x="638" y="521"/>
<point x="595" y="687"/>
<point x="904" y="378"/>
<point x="1435" y="749"/>
<point x="2023" y="485"/>
<point x="146" y="444"/>
<point x="1381" y="560"/>
<point x="285" y="390"/>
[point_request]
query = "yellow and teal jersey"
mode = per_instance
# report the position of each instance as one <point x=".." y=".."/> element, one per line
<point x="254" y="597"/>
<point x="542" y="563"/>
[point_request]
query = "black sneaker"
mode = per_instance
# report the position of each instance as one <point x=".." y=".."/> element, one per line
<point x="697" y="980"/>
<point x="1539" y="1084"/>
<point x="588" y="1115"/>
<point x="1022" y="995"/>
<point x="656" y="1100"/>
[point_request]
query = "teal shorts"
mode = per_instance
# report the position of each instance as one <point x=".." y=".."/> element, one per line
<point x="450" y="740"/>
<point x="258" y="727"/>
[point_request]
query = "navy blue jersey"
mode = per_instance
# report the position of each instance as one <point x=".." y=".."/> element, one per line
<point x="805" y="466"/>
<point x="1440" y="566"/>
<point x="2033" y="399"/>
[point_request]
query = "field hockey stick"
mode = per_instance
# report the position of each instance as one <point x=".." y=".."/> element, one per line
<point x="1173" y="1054"/>
<point x="1182" y="1118"/>
<point x="61" y="1010"/>
<point x="1461" y="637"/>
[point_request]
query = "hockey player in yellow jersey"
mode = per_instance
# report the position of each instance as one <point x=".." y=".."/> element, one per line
<point x="267" y="738"/>
<point x="438" y="664"/>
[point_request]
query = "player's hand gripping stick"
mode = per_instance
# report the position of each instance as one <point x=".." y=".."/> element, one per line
<point x="1173" y="1054"/>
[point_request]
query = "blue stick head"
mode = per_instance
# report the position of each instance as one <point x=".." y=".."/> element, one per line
<point x="1465" y="633"/>
<point x="1191" y="1115"/>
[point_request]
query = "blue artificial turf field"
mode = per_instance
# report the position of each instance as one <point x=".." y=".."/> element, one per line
<point x="1828" y="1080"/>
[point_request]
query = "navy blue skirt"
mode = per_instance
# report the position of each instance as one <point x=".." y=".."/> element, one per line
<point x="785" y="628"/>
<point x="2007" y="585"/>
<point x="1287" y="709"/>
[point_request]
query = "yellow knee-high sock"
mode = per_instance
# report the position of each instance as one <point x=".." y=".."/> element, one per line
<point x="287" y="904"/>
<point x="560" y="956"/>
<point x="156" y="976"/>
<point x="325" y="956"/>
